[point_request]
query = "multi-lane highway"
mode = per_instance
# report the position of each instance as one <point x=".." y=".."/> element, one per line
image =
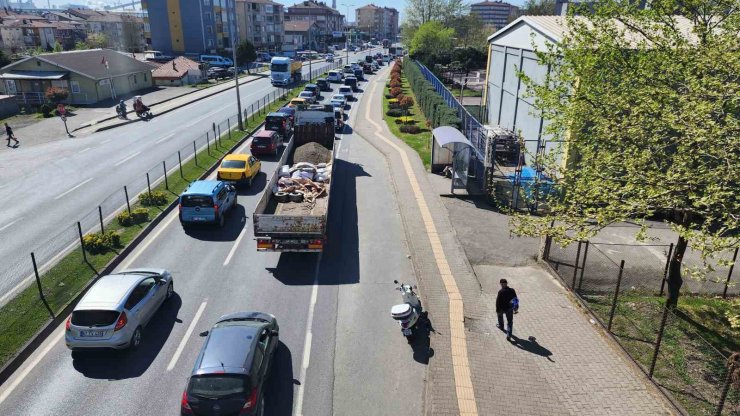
<point x="340" y="352"/>
<point x="45" y="189"/>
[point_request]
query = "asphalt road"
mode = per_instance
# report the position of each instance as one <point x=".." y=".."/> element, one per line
<point x="45" y="189"/>
<point x="340" y="352"/>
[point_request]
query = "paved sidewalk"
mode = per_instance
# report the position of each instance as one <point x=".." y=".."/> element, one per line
<point x="558" y="364"/>
<point x="104" y="113"/>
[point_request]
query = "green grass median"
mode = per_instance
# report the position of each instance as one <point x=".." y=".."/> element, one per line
<point x="23" y="316"/>
<point x="420" y="141"/>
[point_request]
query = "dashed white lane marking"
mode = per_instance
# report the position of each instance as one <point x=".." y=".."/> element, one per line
<point x="63" y="194"/>
<point x="127" y="263"/>
<point x="105" y="141"/>
<point x="84" y="150"/>
<point x="127" y="158"/>
<point x="236" y="244"/>
<point x="10" y="223"/>
<point x="307" y="341"/>
<point x="165" y="138"/>
<point x="188" y="333"/>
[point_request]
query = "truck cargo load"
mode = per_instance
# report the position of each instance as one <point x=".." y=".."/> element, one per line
<point x="291" y="216"/>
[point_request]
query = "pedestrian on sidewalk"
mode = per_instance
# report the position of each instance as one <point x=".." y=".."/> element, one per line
<point x="9" y="132"/>
<point x="506" y="304"/>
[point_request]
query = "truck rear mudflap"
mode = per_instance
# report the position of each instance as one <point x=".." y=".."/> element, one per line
<point x="303" y="245"/>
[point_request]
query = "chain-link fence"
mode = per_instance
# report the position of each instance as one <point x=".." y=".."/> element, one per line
<point x="685" y="350"/>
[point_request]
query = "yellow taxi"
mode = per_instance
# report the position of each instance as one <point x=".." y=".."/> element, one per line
<point x="295" y="102"/>
<point x="239" y="168"/>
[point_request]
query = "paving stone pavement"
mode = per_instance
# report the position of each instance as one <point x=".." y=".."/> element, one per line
<point x="558" y="363"/>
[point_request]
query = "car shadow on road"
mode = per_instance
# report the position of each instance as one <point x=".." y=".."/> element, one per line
<point x="531" y="345"/>
<point x="340" y="262"/>
<point x="258" y="184"/>
<point x="347" y="129"/>
<point x="120" y="365"/>
<point x="234" y="222"/>
<point x="279" y="392"/>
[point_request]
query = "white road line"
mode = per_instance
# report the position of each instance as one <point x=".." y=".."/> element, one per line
<point x="233" y="249"/>
<point x="20" y="377"/>
<point x="105" y="141"/>
<point x="10" y="223"/>
<point x="307" y="342"/>
<point x="73" y="188"/>
<point x="84" y="150"/>
<point x="189" y="332"/>
<point x="126" y="263"/>
<point x="126" y="159"/>
<point x="164" y="138"/>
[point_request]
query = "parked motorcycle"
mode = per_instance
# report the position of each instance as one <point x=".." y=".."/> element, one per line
<point x="408" y="313"/>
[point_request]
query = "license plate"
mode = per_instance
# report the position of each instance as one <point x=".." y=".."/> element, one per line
<point x="406" y="331"/>
<point x="199" y="219"/>
<point x="91" y="334"/>
<point x="261" y="147"/>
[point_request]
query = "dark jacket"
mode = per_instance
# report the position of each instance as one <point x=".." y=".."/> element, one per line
<point x="8" y="131"/>
<point x="504" y="298"/>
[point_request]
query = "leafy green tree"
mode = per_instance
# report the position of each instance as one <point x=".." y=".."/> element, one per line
<point x="419" y="12"/>
<point x="650" y="119"/>
<point x="538" y="8"/>
<point x="58" y="47"/>
<point x="470" y="31"/>
<point x="431" y="42"/>
<point x="81" y="45"/>
<point x="245" y="53"/>
<point x="97" y="41"/>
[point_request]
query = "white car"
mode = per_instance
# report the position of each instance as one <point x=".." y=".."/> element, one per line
<point x="339" y="100"/>
<point x="346" y="90"/>
<point x="347" y="69"/>
<point x="335" y="76"/>
<point x="308" y="96"/>
<point x="386" y="58"/>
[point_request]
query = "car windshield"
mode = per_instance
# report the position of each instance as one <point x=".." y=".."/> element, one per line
<point x="217" y="386"/>
<point x="233" y="164"/>
<point x="94" y="318"/>
<point x="344" y="89"/>
<point x="338" y="98"/>
<point x="262" y="140"/>
<point x="192" y="201"/>
<point x="306" y="94"/>
<point x="279" y="67"/>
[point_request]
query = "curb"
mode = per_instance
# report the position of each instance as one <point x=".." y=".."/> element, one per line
<point x="14" y="363"/>
<point x="88" y="125"/>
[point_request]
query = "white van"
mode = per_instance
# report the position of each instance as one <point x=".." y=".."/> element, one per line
<point x="335" y="76"/>
<point x="216" y="60"/>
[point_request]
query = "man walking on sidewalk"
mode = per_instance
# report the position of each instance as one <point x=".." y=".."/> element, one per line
<point x="9" y="132"/>
<point x="506" y="304"/>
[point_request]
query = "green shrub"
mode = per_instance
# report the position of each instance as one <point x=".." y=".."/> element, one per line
<point x="394" y="112"/>
<point x="398" y="121"/>
<point x="395" y="84"/>
<point x="46" y="110"/>
<point x="395" y="91"/>
<point x="410" y="128"/>
<point x="156" y="198"/>
<point x="99" y="243"/>
<point x="137" y="216"/>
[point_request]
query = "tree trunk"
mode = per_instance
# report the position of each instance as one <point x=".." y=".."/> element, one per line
<point x="674" y="280"/>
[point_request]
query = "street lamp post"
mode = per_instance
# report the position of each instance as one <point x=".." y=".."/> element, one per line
<point x="347" y="40"/>
<point x="236" y="75"/>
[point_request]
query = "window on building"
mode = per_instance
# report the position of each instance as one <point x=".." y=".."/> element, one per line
<point x="74" y="86"/>
<point x="206" y="2"/>
<point x="209" y="30"/>
<point x="255" y="6"/>
<point x="268" y="8"/>
<point x="207" y="16"/>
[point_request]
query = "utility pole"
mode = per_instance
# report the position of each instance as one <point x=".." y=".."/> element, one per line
<point x="348" y="40"/>
<point x="234" y="40"/>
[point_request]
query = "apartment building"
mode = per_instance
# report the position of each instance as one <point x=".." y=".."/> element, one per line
<point x="328" y="20"/>
<point x="378" y="22"/>
<point x="123" y="32"/>
<point x="191" y="27"/>
<point x="495" y="13"/>
<point x="261" y="22"/>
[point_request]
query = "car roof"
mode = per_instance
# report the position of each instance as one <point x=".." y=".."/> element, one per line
<point x="201" y="187"/>
<point x="288" y="110"/>
<point x="344" y="87"/>
<point x="265" y="133"/>
<point x="225" y="348"/>
<point x="236" y="156"/>
<point x="310" y="86"/>
<point x="306" y="92"/>
<point x="109" y="291"/>
<point x="338" y="96"/>
<point x="298" y="99"/>
<point x="277" y="114"/>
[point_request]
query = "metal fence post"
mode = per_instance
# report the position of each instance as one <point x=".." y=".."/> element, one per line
<point x="128" y="204"/>
<point x="725" y="390"/>
<point x="208" y="144"/>
<point x="218" y="138"/>
<point x="148" y="185"/>
<point x="659" y="340"/>
<point x="583" y="265"/>
<point x="729" y="273"/>
<point x="228" y="123"/>
<point x="100" y="216"/>
<point x="251" y="111"/>
<point x="38" y="283"/>
<point x="616" y="296"/>
<point x="195" y="153"/>
<point x="164" y="169"/>
<point x="82" y="241"/>
<point x="575" y="266"/>
<point x="179" y="161"/>
<point x="665" y="271"/>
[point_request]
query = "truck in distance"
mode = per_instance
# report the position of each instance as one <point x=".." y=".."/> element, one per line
<point x="284" y="71"/>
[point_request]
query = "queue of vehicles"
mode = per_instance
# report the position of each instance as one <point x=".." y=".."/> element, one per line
<point x="234" y="363"/>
